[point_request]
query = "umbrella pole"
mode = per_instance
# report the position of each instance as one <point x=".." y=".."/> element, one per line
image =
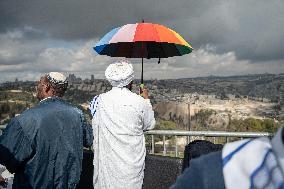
<point x="142" y="82"/>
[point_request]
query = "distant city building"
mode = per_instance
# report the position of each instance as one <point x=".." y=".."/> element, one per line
<point x="87" y="81"/>
<point x="73" y="79"/>
<point x="92" y="78"/>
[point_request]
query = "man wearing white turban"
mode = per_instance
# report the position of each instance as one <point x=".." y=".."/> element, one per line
<point x="119" y="119"/>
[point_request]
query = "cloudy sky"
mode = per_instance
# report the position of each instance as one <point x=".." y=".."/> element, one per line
<point x="230" y="37"/>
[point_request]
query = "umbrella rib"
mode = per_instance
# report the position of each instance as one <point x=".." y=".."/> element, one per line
<point x="160" y="44"/>
<point x="162" y="49"/>
<point x="131" y="52"/>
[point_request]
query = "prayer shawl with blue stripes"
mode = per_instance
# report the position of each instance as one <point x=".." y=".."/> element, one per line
<point x="254" y="164"/>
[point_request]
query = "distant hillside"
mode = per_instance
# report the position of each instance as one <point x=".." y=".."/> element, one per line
<point x="268" y="86"/>
<point x="170" y="97"/>
<point x="260" y="86"/>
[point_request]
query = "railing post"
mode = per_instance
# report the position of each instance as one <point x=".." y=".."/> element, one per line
<point x="199" y="134"/>
<point x="164" y="145"/>
<point x="176" y="147"/>
<point x="153" y="145"/>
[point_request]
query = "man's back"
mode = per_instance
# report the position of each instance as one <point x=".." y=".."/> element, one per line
<point x="126" y="109"/>
<point x="50" y="145"/>
<point x="119" y="144"/>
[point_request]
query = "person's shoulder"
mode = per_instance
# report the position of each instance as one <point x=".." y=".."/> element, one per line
<point x="59" y="104"/>
<point x="134" y="95"/>
<point x="104" y="95"/>
<point x="203" y="172"/>
<point x="25" y="122"/>
<point x="138" y="97"/>
<point x="71" y="107"/>
<point x="33" y="111"/>
<point x="210" y="167"/>
<point x="209" y="159"/>
<point x="115" y="92"/>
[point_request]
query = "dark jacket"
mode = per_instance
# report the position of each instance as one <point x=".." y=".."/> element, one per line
<point x="204" y="172"/>
<point x="44" y="145"/>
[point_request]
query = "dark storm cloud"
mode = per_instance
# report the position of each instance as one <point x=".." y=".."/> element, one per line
<point x="72" y="19"/>
<point x="253" y="29"/>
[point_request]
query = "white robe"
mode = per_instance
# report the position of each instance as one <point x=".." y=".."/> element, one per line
<point x="120" y="117"/>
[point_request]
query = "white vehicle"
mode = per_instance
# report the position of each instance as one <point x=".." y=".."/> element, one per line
<point x="4" y="173"/>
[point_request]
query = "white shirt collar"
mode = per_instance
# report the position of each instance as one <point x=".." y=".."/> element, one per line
<point x="47" y="98"/>
<point x="120" y="88"/>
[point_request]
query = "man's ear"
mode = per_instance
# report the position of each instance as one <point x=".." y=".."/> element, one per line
<point x="47" y="88"/>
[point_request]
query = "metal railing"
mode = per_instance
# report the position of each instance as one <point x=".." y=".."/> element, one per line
<point x="200" y="134"/>
<point x="191" y="134"/>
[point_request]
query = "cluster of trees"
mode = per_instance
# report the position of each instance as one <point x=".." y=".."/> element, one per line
<point x="12" y="103"/>
<point x="165" y="125"/>
<point x="254" y="125"/>
<point x="10" y="109"/>
<point x="76" y="96"/>
<point x="200" y="120"/>
<point x="17" y="96"/>
<point x="162" y="125"/>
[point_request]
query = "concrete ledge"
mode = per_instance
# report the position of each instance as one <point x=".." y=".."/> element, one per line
<point x="161" y="172"/>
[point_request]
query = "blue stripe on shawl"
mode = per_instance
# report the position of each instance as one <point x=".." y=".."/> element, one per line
<point x="230" y="155"/>
<point x="93" y="105"/>
<point x="259" y="168"/>
<point x="262" y="165"/>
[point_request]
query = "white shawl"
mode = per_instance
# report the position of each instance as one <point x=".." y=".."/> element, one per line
<point x="253" y="164"/>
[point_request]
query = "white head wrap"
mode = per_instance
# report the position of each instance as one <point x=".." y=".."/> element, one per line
<point x="120" y="73"/>
<point x="57" y="78"/>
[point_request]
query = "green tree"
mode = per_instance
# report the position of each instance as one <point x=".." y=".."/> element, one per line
<point x="165" y="125"/>
<point x="201" y="118"/>
<point x="254" y="125"/>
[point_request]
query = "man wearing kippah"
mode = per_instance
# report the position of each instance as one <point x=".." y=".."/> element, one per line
<point x="44" y="145"/>
<point x="119" y="119"/>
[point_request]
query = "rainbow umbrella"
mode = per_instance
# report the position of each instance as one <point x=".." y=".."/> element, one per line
<point x="142" y="40"/>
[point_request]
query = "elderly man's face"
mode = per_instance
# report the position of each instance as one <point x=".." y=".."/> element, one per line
<point x="40" y="88"/>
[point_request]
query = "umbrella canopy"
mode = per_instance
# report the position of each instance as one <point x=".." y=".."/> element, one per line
<point x="142" y="40"/>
